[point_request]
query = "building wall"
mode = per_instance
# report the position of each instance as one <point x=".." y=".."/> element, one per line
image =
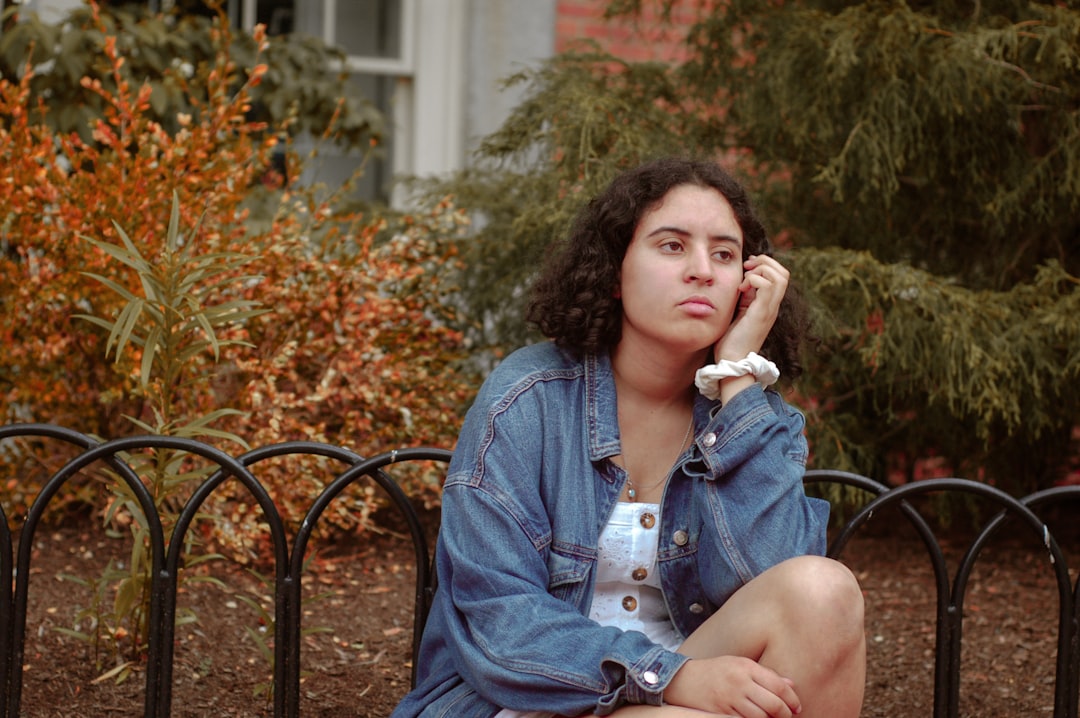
<point x="505" y="36"/>
<point x="647" y="39"/>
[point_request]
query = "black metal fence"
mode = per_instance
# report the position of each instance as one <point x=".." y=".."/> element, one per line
<point x="167" y="555"/>
<point x="950" y="594"/>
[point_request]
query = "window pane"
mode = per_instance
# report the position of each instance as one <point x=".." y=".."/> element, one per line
<point x="378" y="173"/>
<point x="277" y="15"/>
<point x="333" y="166"/>
<point x="366" y="28"/>
<point x="190" y="7"/>
<point x="369" y="28"/>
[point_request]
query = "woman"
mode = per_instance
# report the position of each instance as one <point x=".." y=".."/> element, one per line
<point x="624" y="525"/>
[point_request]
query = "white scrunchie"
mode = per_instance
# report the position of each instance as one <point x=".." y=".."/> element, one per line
<point x="708" y="377"/>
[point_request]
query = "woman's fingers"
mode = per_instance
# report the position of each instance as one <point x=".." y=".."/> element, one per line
<point x="733" y="684"/>
<point x="769" y="696"/>
<point x="766" y="278"/>
<point x="774" y="697"/>
<point x="761" y="293"/>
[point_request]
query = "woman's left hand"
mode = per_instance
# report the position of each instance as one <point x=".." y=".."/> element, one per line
<point x="762" y="290"/>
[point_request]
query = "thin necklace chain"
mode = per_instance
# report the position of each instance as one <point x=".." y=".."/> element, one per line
<point x="631" y="492"/>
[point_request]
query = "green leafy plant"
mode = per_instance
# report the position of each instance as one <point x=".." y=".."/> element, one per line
<point x="96" y="624"/>
<point x="262" y="636"/>
<point x="303" y="93"/>
<point x="60" y="186"/>
<point x="175" y="324"/>
<point x="101" y="624"/>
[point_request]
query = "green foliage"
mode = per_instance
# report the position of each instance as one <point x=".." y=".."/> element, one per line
<point x="945" y="138"/>
<point x="923" y="161"/>
<point x="103" y="624"/>
<point x="97" y="624"/>
<point x="262" y="636"/>
<point x="59" y="187"/>
<point x="303" y="89"/>
<point x="176" y="325"/>
<point x="359" y="313"/>
<point x="977" y="376"/>
<point x="172" y="322"/>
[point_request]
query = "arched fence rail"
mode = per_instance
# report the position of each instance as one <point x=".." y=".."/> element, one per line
<point x="166" y="555"/>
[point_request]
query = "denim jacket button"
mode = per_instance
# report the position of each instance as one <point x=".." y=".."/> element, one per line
<point x="696" y="608"/>
<point x="650" y="678"/>
<point x="648" y="520"/>
<point x="709" y="439"/>
<point x="639" y="574"/>
<point x="681" y="538"/>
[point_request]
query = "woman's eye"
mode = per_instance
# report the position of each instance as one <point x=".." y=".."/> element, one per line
<point x="724" y="255"/>
<point x="672" y="245"/>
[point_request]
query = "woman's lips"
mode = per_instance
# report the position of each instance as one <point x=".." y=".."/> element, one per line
<point x="698" y="306"/>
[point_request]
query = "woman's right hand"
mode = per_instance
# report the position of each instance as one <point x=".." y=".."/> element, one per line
<point x="733" y="685"/>
<point x="764" y="285"/>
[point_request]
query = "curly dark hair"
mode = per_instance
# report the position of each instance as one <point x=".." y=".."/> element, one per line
<point x="573" y="300"/>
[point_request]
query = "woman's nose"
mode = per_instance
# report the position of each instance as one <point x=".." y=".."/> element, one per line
<point x="699" y="268"/>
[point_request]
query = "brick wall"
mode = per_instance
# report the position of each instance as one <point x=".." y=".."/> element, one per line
<point x="646" y="38"/>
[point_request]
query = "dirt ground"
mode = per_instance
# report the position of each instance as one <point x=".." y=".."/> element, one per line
<point x="356" y="662"/>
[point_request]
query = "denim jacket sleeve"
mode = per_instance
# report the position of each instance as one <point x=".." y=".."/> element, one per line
<point x="753" y="458"/>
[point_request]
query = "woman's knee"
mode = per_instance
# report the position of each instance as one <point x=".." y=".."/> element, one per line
<point x="825" y="592"/>
<point x="803" y="602"/>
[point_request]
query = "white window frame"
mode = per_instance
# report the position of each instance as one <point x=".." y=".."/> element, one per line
<point x="427" y="113"/>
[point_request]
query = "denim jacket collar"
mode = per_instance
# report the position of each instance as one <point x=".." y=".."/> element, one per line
<point x="602" y="408"/>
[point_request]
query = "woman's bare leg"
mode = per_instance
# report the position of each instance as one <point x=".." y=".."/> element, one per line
<point x="803" y="619"/>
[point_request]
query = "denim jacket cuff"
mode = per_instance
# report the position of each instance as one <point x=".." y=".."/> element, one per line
<point x="726" y="423"/>
<point x="645" y="681"/>
<point x="745" y="401"/>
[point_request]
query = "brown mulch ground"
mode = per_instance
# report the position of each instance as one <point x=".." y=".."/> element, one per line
<point x="357" y="664"/>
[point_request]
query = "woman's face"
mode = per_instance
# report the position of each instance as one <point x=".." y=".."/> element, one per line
<point x="682" y="270"/>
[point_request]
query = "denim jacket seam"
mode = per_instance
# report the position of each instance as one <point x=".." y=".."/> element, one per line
<point x="507" y="400"/>
<point x="735" y="557"/>
<point x="476" y="479"/>
<point x="743" y="424"/>
<point x="539" y="540"/>
<point x="573" y="550"/>
<point x="550" y="671"/>
<point x="592" y="376"/>
<point x="448" y="710"/>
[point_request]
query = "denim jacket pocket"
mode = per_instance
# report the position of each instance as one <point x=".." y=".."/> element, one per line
<point x="567" y="575"/>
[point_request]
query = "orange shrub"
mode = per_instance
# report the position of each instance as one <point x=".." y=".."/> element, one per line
<point x="358" y="346"/>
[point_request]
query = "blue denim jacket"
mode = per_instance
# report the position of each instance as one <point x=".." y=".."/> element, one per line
<point x="528" y="491"/>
